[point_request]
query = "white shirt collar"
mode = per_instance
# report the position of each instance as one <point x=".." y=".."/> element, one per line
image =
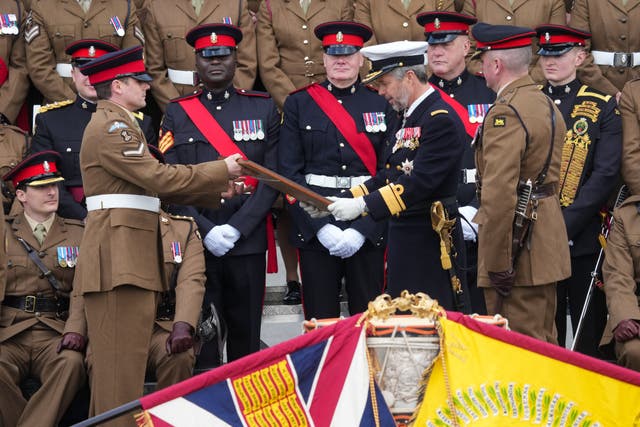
<point x="418" y="101"/>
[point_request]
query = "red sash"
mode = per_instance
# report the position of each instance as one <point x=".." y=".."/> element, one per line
<point x="341" y="118"/>
<point x="469" y="127"/>
<point x="220" y="141"/>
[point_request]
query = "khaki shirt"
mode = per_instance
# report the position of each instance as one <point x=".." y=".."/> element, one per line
<point x="166" y="24"/>
<point x="13" y="91"/>
<point x="290" y="54"/>
<point x="629" y="107"/>
<point x="503" y="158"/>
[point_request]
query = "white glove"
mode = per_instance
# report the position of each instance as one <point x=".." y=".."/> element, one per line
<point x="221" y="239"/>
<point x="469" y="228"/>
<point x="347" y="209"/>
<point x="313" y="211"/>
<point x="350" y="243"/>
<point x="329" y="235"/>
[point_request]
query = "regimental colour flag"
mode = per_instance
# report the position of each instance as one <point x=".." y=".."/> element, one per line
<point x="318" y="379"/>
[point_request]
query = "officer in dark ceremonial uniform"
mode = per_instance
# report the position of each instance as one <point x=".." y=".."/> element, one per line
<point x="421" y="168"/>
<point x="60" y="126"/>
<point x="321" y="152"/>
<point x="217" y="121"/>
<point x="448" y="37"/>
<point x="589" y="169"/>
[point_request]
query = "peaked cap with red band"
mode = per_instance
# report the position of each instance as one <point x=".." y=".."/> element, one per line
<point x="500" y="37"/>
<point x="214" y="39"/>
<point x="556" y="40"/>
<point x="443" y="27"/>
<point x="38" y="169"/>
<point x="342" y="37"/>
<point x="114" y="65"/>
<point x="83" y="51"/>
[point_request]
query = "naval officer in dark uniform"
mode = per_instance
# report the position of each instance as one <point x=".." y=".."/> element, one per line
<point x="448" y="37"/>
<point x="217" y="121"/>
<point x="60" y="126"/>
<point x="421" y="168"/>
<point x="333" y="137"/>
<point x="589" y="169"/>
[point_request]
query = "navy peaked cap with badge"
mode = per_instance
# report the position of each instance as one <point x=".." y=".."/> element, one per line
<point x="211" y="40"/>
<point x="114" y="65"/>
<point x="37" y="169"/>
<point x="342" y="37"/>
<point x="556" y="40"/>
<point x="83" y="51"/>
<point x="443" y="27"/>
<point x="388" y="56"/>
<point x="500" y="37"/>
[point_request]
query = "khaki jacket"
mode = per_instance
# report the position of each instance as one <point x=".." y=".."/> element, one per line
<point x="166" y="24"/>
<point x="629" y="107"/>
<point x="24" y="277"/>
<point x="289" y="53"/>
<point x="190" y="276"/>
<point x="523" y="13"/>
<point x="13" y="147"/>
<point x="53" y="24"/>
<point x="502" y="159"/>
<point x="14" y="90"/>
<point x="121" y="246"/>
<point x="390" y="21"/>
<point x="621" y="267"/>
<point x="613" y="28"/>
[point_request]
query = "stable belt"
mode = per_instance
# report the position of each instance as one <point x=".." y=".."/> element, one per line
<point x="543" y="191"/>
<point x="468" y="176"/>
<point x="335" y="181"/>
<point x="64" y="70"/>
<point x="31" y="303"/>
<point x="616" y="59"/>
<point x="183" y="77"/>
<point x="126" y="201"/>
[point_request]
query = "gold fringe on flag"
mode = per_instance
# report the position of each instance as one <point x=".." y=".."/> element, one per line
<point x="143" y="419"/>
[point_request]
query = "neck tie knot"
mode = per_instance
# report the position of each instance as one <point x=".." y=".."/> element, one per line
<point x="40" y="233"/>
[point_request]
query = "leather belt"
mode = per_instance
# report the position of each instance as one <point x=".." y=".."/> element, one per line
<point x="468" y="176"/>
<point x="31" y="303"/>
<point x="182" y="77"/>
<point x="126" y="201"/>
<point x="308" y="69"/>
<point x="64" y="70"/>
<point x="335" y="181"/>
<point x="543" y="191"/>
<point x="616" y="59"/>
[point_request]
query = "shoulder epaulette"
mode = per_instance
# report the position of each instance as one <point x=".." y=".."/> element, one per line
<point x="301" y="89"/>
<point x="54" y="105"/>
<point x="371" y="88"/>
<point x="187" y="96"/>
<point x="253" y="93"/>
<point x="72" y="221"/>
<point x="594" y="93"/>
<point x="14" y="128"/>
<point x="182" y="217"/>
<point x="436" y="112"/>
<point x="138" y="115"/>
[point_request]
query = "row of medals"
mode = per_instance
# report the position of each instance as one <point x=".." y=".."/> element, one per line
<point x="245" y="130"/>
<point x="67" y="256"/>
<point x="9" y="24"/>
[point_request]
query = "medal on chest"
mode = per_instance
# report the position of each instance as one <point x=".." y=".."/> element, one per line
<point x="407" y="138"/>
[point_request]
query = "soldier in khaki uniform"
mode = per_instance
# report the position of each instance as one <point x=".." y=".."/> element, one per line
<point x="14" y="79"/>
<point x="33" y="311"/>
<point x="394" y="20"/>
<point x="52" y="25"/>
<point x="120" y="272"/>
<point x="630" y="110"/>
<point x="615" y="42"/>
<point x="521" y="139"/>
<point x="290" y="55"/>
<point x="524" y="13"/>
<point x="13" y="147"/>
<point x="169" y="57"/>
<point x="621" y="271"/>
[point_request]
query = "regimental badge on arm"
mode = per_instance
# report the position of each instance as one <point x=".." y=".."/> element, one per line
<point x="499" y="122"/>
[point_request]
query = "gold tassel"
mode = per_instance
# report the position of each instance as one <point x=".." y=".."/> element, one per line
<point x="143" y="419"/>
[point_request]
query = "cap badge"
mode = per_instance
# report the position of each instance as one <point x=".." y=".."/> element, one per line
<point x="339" y="37"/>
<point x="45" y="166"/>
<point x="214" y="38"/>
<point x="547" y="37"/>
<point x="436" y="23"/>
<point x="92" y="51"/>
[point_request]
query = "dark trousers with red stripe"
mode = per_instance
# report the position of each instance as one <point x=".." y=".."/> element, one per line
<point x="322" y="276"/>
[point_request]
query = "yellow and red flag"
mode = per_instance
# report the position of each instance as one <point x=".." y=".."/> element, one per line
<point x="488" y="376"/>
